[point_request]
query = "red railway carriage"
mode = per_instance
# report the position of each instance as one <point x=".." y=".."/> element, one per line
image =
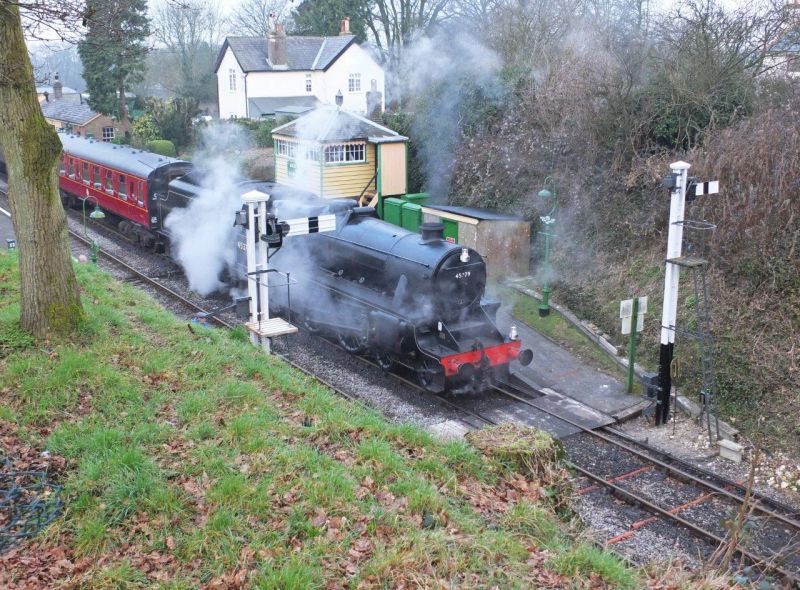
<point x="129" y="183"/>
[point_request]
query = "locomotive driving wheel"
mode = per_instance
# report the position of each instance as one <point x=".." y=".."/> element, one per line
<point x="351" y="342"/>
<point x="385" y="360"/>
<point x="430" y="374"/>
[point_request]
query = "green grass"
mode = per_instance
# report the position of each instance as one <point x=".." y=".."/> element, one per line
<point x="199" y="449"/>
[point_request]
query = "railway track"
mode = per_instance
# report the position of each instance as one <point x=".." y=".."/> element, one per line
<point x="772" y="544"/>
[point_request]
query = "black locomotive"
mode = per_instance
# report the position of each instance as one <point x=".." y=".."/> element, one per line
<point x="402" y="297"/>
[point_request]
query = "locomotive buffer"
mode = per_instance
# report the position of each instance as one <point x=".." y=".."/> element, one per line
<point x="265" y="231"/>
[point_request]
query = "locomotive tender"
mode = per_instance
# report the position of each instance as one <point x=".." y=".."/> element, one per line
<point x="405" y="298"/>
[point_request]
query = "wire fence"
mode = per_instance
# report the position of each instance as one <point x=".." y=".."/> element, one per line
<point x="28" y="503"/>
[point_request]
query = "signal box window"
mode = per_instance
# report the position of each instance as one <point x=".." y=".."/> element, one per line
<point x="108" y="133"/>
<point x="349" y="152"/>
<point x="85" y="174"/>
<point x="123" y="189"/>
<point x="354" y="83"/>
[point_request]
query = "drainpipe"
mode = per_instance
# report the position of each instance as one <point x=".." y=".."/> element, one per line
<point x="246" y="102"/>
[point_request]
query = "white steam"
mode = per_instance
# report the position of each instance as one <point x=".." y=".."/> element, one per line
<point x="203" y="236"/>
<point x="438" y="73"/>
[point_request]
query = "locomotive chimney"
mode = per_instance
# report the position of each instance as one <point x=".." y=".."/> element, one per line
<point x="57" y="87"/>
<point x="276" y="48"/>
<point x="431" y="232"/>
<point x="344" y="26"/>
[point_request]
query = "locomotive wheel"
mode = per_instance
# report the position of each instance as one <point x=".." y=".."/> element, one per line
<point x="351" y="342"/>
<point x="310" y="325"/>
<point x="385" y="360"/>
<point x="430" y="374"/>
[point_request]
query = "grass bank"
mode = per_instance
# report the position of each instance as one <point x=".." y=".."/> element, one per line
<point x="189" y="459"/>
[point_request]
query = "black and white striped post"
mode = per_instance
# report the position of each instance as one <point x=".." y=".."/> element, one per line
<point x="263" y="231"/>
<point x="677" y="183"/>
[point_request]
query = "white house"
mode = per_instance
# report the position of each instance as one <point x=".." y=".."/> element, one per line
<point x="258" y="76"/>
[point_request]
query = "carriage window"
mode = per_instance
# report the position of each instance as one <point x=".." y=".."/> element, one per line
<point x="123" y="190"/>
<point x="85" y="173"/>
<point x="71" y="168"/>
<point x="96" y="176"/>
<point x="109" y="181"/>
<point x="61" y="167"/>
<point x="140" y="201"/>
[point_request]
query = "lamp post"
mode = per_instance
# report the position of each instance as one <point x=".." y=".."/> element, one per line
<point x="547" y="221"/>
<point x="96" y="214"/>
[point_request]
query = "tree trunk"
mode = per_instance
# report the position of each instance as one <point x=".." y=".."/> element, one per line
<point x="50" y="299"/>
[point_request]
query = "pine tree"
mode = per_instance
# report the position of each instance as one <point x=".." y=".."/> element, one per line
<point x="113" y="53"/>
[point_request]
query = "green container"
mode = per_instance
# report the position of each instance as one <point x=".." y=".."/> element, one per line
<point x="393" y="211"/>
<point x="412" y="216"/>
<point x="418" y="198"/>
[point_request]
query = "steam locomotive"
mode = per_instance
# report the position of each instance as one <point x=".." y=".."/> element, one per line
<point x="404" y="298"/>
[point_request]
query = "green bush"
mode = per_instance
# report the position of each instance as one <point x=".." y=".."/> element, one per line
<point x="163" y="147"/>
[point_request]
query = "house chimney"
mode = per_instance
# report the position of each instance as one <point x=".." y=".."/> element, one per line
<point x="57" y="88"/>
<point x="375" y="103"/>
<point x="344" y="26"/>
<point x="276" y="48"/>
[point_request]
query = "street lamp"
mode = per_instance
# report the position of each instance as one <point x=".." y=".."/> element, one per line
<point x="547" y="220"/>
<point x="96" y="214"/>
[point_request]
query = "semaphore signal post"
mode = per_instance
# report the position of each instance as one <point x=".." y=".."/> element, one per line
<point x="682" y="189"/>
<point x="265" y="231"/>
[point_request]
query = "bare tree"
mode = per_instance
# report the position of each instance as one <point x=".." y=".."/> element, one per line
<point x="49" y="296"/>
<point x="252" y="17"/>
<point x="191" y="32"/>
<point x="395" y="23"/>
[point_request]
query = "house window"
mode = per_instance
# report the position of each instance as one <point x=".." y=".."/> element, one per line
<point x="109" y="181"/>
<point x="108" y="133"/>
<point x="347" y="152"/>
<point x="123" y="191"/>
<point x="285" y="148"/>
<point x="232" y="80"/>
<point x="308" y="82"/>
<point x="85" y="173"/>
<point x="354" y="83"/>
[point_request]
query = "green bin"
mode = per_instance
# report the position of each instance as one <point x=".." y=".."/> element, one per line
<point x="418" y="198"/>
<point x="412" y="216"/>
<point x="393" y="211"/>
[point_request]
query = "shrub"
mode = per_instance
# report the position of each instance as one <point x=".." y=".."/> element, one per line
<point x="163" y="147"/>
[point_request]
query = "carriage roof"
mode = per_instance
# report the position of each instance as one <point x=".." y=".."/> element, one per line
<point x="119" y="157"/>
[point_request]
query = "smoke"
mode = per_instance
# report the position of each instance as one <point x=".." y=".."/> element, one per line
<point x="449" y="80"/>
<point x="203" y="236"/>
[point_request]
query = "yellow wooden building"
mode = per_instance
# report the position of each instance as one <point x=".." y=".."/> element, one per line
<point x="337" y="154"/>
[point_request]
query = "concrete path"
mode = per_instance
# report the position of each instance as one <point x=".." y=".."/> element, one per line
<point x="556" y="368"/>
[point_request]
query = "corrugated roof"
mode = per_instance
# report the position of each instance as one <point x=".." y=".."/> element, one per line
<point x="476" y="213"/>
<point x="261" y="106"/>
<point x="302" y="53"/>
<point x="329" y="124"/>
<point x="68" y="109"/>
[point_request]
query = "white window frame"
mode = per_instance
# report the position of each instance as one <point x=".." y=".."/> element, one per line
<point x="354" y="82"/>
<point x="108" y="136"/>
<point x="285" y="148"/>
<point x="308" y="82"/>
<point x="345" y="153"/>
<point x="231" y="80"/>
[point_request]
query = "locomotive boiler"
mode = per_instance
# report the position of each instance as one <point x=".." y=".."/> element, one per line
<point x="404" y="298"/>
